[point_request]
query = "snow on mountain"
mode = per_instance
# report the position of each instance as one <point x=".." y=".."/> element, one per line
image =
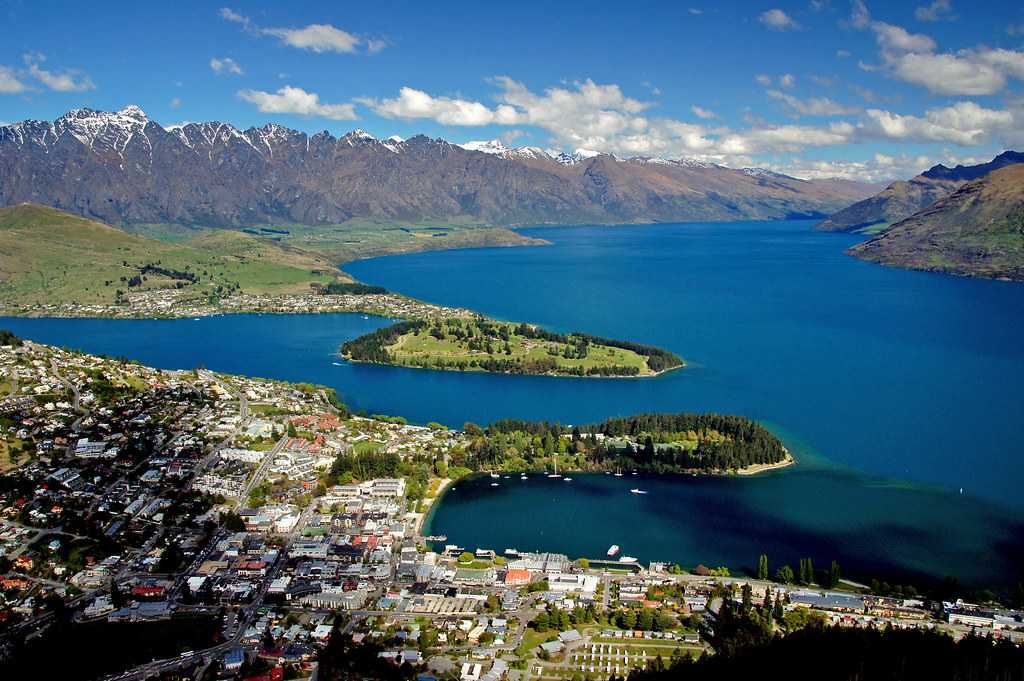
<point x="496" y="148"/>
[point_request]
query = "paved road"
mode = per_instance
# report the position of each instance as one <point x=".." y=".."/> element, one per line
<point x="14" y="382"/>
<point x="257" y="477"/>
<point x="76" y="397"/>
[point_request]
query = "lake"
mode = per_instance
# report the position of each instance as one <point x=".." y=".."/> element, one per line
<point x="895" y="389"/>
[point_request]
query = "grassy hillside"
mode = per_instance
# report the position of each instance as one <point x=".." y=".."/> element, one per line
<point x="978" y="230"/>
<point x="485" y="345"/>
<point x="48" y="256"/>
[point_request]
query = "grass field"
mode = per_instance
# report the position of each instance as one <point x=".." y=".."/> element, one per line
<point x="48" y="256"/>
<point x="425" y="348"/>
<point x="358" y="239"/>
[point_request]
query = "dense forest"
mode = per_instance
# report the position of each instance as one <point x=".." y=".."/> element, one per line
<point x="662" y="443"/>
<point x="494" y="341"/>
<point x="851" y="654"/>
<point x="350" y="288"/>
<point x="8" y="338"/>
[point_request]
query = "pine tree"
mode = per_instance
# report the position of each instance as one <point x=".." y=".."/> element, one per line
<point x="833" y="575"/>
<point x="762" y="567"/>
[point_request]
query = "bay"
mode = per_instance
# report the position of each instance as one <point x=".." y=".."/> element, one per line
<point x="895" y="389"/>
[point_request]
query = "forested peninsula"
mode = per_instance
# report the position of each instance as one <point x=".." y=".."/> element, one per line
<point x="685" y="443"/>
<point x="481" y="344"/>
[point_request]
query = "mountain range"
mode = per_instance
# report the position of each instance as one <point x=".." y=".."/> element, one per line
<point x="123" y="168"/>
<point x="977" y="230"/>
<point x="901" y="199"/>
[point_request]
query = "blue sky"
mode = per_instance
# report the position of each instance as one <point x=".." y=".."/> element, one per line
<point x="817" y="88"/>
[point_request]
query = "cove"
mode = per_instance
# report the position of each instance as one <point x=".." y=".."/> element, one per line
<point x="873" y="529"/>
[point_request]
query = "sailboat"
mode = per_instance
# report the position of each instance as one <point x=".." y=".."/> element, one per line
<point x="555" y="474"/>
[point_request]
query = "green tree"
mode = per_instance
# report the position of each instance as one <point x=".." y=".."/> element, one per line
<point x="784" y="574"/>
<point x="834" y="575"/>
<point x="466" y="557"/>
<point x="291" y="430"/>
<point x="762" y="566"/>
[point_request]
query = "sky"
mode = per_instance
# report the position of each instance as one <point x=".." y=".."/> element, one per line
<point x="815" y="88"/>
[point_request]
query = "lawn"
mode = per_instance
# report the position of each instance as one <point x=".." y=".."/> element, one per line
<point x="423" y="349"/>
<point x="366" y="447"/>
<point x="48" y="256"/>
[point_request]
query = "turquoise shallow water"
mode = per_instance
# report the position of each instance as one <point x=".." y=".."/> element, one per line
<point x="895" y="388"/>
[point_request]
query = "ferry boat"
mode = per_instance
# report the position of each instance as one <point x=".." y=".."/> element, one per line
<point x="636" y="490"/>
<point x="627" y="559"/>
<point x="613" y="550"/>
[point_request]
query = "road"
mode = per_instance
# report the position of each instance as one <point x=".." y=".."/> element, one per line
<point x="261" y="471"/>
<point x="76" y="397"/>
<point x="14" y="382"/>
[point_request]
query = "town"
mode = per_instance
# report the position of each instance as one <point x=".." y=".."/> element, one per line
<point x="254" y="528"/>
<point x="170" y="303"/>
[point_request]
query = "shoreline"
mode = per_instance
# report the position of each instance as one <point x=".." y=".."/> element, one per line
<point x="423" y="517"/>
<point x="477" y="370"/>
<point x="759" y="468"/>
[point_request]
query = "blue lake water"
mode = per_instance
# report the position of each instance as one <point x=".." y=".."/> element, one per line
<point x="894" y="388"/>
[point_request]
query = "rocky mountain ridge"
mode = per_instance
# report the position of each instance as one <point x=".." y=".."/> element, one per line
<point x="123" y="168"/>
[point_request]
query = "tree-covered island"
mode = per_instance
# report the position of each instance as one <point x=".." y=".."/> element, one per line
<point x="480" y="344"/>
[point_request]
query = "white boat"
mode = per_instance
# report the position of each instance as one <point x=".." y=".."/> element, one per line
<point x="494" y="484"/>
<point x="637" y="491"/>
<point x="618" y="473"/>
<point x="523" y="477"/>
<point x="627" y="559"/>
<point x="634" y="473"/>
<point x="495" y="475"/>
<point x="506" y="477"/>
<point x="337" y="364"/>
<point x="567" y="479"/>
<point x="555" y="474"/>
<point x="612" y="550"/>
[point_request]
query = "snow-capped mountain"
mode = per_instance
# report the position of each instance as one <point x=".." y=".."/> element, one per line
<point x="496" y="148"/>
<point x="121" y="167"/>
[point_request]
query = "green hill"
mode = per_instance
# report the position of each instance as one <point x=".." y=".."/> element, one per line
<point x="978" y="230"/>
<point x="48" y="256"/>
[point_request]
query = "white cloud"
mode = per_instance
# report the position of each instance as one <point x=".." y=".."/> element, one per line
<point x="786" y="80"/>
<point x="68" y="80"/>
<point x="225" y="65"/>
<point x="898" y="39"/>
<point x="939" y="10"/>
<point x="777" y="20"/>
<point x="9" y="82"/>
<point x="949" y="74"/>
<point x="843" y="54"/>
<point x="229" y="14"/>
<point x="176" y="102"/>
<point x="963" y="124"/>
<point x="813" y="106"/>
<point x="703" y="113"/>
<point x="317" y="38"/>
<point x="412" y="103"/>
<point x="912" y="57"/>
<point x="294" y="100"/>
